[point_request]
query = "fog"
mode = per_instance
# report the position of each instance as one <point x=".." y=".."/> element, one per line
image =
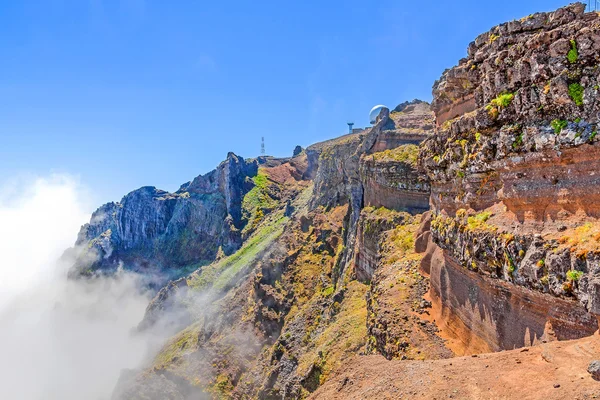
<point x="59" y="339"/>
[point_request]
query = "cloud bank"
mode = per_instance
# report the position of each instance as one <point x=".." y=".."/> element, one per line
<point x="59" y="339"/>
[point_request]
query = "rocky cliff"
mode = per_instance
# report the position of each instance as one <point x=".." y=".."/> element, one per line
<point x="292" y="270"/>
<point x="513" y="169"/>
<point x="163" y="234"/>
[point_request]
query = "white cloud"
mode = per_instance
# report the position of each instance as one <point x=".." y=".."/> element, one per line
<point x="59" y="339"/>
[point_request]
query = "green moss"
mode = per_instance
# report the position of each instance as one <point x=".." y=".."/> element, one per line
<point x="518" y="141"/>
<point x="478" y="221"/>
<point x="574" y="276"/>
<point x="328" y="291"/>
<point x="184" y="342"/>
<point x="257" y="200"/>
<point x="572" y="55"/>
<point x="219" y="274"/>
<point x="478" y="136"/>
<point x="576" y="93"/>
<point x="503" y="100"/>
<point x="408" y="153"/>
<point x="558" y="125"/>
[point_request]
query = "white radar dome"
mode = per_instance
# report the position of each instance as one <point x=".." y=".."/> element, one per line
<point x="375" y="112"/>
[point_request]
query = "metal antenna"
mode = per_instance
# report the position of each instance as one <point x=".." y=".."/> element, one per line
<point x="262" y="146"/>
<point x="350" y="125"/>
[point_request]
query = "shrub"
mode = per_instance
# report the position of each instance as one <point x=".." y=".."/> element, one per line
<point x="478" y="220"/>
<point x="518" y="141"/>
<point x="572" y="55"/>
<point x="558" y="125"/>
<point x="503" y="100"/>
<point x="576" y="93"/>
<point x="574" y="276"/>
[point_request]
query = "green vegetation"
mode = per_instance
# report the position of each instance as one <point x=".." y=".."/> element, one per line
<point x="541" y="263"/>
<point x="408" y="153"/>
<point x="558" y="125"/>
<point x="572" y="55"/>
<point x="183" y="342"/>
<point x="342" y="338"/>
<point x="493" y="37"/>
<point x="503" y="100"/>
<point x="478" y="136"/>
<point x="478" y="221"/>
<point x="576" y="93"/>
<point x="257" y="200"/>
<point x="583" y="239"/>
<point x="518" y="141"/>
<point x="221" y="273"/>
<point x="574" y="276"/>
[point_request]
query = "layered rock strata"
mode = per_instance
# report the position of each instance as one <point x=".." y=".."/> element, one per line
<point x="513" y="172"/>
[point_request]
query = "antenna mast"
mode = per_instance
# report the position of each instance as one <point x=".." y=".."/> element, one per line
<point x="262" y="146"/>
<point x="350" y="125"/>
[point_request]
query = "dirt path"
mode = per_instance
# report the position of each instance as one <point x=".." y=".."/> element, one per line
<point x="556" y="370"/>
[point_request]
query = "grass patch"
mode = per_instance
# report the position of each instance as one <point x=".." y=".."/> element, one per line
<point x="186" y="341"/>
<point x="573" y="55"/>
<point x="558" y="125"/>
<point x="583" y="239"/>
<point x="479" y="221"/>
<point x="342" y="338"/>
<point x="257" y="200"/>
<point x="574" y="276"/>
<point x="576" y="93"/>
<point x="503" y="100"/>
<point x="408" y="153"/>
<point x="219" y="274"/>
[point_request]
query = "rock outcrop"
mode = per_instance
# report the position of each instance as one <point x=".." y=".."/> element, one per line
<point x="293" y="266"/>
<point x="513" y="172"/>
<point x="163" y="234"/>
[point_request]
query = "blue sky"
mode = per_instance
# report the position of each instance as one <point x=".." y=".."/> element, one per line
<point x="127" y="93"/>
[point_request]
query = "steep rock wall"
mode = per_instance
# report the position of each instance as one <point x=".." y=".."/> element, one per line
<point x="513" y="172"/>
<point x="394" y="184"/>
<point x="156" y="232"/>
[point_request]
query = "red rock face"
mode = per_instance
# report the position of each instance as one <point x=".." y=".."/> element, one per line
<point x="409" y="123"/>
<point x="395" y="185"/>
<point x="504" y="315"/>
<point x="514" y="187"/>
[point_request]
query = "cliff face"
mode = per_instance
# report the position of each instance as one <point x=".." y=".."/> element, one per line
<point x="333" y="252"/>
<point x="275" y="318"/>
<point x="513" y="171"/>
<point x="163" y="234"/>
